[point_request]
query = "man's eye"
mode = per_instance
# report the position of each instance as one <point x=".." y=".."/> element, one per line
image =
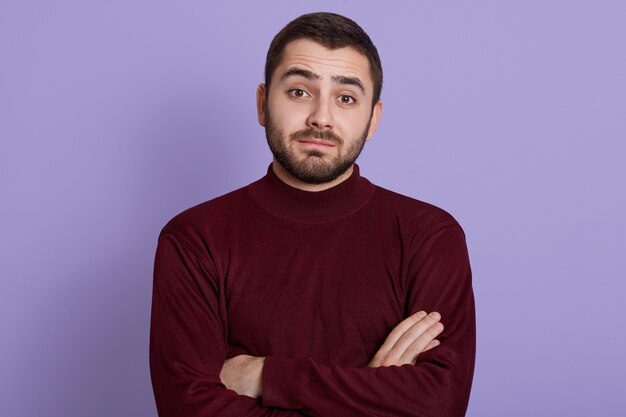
<point x="298" y="93"/>
<point x="347" y="99"/>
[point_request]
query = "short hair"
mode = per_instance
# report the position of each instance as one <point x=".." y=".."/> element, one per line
<point x="332" y="31"/>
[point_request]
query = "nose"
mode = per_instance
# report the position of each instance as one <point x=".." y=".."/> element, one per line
<point x="321" y="117"/>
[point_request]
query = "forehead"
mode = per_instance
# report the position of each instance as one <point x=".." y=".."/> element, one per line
<point x="310" y="55"/>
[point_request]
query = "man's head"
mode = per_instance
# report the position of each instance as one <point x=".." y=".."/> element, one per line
<point x="332" y="31"/>
<point x="320" y="101"/>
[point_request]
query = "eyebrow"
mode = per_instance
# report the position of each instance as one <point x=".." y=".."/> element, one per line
<point x="309" y="75"/>
<point x="340" y="79"/>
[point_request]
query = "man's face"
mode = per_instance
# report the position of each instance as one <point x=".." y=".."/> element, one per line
<point x="318" y="111"/>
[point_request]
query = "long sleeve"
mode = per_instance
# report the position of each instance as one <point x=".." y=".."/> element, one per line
<point x="188" y="339"/>
<point x="438" y="384"/>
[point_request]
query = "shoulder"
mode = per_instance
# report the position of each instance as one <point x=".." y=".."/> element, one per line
<point x="411" y="209"/>
<point x="425" y="228"/>
<point x="416" y="222"/>
<point x="197" y="222"/>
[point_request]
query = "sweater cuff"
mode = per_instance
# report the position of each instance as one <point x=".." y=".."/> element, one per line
<point x="280" y="383"/>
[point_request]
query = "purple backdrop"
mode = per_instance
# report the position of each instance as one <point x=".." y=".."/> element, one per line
<point x="116" y="115"/>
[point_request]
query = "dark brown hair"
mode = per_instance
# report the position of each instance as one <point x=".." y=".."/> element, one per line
<point x="331" y="30"/>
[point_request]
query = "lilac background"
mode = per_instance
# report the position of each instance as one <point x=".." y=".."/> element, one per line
<point x="116" y="115"/>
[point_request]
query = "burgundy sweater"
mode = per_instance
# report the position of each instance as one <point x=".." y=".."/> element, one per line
<point x="314" y="282"/>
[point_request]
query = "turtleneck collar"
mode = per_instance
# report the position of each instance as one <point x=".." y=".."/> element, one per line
<point x="313" y="207"/>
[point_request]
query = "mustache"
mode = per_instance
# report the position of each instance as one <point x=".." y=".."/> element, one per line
<point x="317" y="134"/>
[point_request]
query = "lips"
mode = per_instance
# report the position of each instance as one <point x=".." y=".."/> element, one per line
<point x="314" y="137"/>
<point x="316" y="142"/>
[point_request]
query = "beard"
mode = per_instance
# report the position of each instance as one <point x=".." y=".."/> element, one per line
<point x="313" y="168"/>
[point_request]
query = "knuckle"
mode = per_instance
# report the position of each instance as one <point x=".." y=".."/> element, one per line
<point x="415" y="349"/>
<point x="433" y="317"/>
<point x="436" y="328"/>
<point x="386" y="361"/>
<point x="430" y="334"/>
<point x="416" y="317"/>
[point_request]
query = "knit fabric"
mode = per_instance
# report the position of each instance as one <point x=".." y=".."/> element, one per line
<point x="314" y="282"/>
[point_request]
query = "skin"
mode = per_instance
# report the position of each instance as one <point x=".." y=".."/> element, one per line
<point x="328" y="91"/>
<point x="327" y="103"/>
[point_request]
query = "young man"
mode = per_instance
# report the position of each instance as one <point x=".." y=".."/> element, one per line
<point x="307" y="292"/>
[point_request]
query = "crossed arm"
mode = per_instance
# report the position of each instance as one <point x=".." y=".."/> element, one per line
<point x="406" y="377"/>
<point x="414" y="335"/>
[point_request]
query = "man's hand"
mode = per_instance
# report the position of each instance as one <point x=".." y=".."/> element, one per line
<point x="242" y="374"/>
<point x="414" y="335"/>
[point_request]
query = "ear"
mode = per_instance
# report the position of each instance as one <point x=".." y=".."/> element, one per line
<point x="261" y="103"/>
<point x="377" y="113"/>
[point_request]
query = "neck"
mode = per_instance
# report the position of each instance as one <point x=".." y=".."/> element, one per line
<point x="297" y="205"/>
<point x="292" y="181"/>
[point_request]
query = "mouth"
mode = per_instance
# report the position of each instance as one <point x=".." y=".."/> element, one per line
<point x="316" y="143"/>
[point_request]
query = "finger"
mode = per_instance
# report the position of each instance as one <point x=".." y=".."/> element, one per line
<point x="431" y="345"/>
<point x="413" y="333"/>
<point x="420" y="344"/>
<point x="394" y="335"/>
<point x="400" y="329"/>
<point x="410" y="339"/>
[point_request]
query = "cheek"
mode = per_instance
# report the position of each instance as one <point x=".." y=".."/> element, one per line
<point x="352" y="125"/>
<point x="288" y="117"/>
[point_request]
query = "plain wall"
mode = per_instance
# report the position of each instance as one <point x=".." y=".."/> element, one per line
<point x="116" y="115"/>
